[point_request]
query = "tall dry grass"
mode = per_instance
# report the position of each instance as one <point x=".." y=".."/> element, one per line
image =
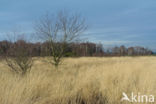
<point x="79" y="81"/>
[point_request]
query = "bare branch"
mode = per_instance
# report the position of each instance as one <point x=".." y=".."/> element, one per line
<point x="60" y="30"/>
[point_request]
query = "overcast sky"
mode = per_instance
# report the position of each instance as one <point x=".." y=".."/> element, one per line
<point x="111" y="22"/>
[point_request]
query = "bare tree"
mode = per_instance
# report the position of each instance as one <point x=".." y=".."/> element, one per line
<point x="18" y="58"/>
<point x="59" y="30"/>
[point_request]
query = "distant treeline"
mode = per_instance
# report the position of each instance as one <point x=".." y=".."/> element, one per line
<point x="72" y="50"/>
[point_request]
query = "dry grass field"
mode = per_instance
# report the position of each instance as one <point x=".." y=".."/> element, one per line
<point x="79" y="81"/>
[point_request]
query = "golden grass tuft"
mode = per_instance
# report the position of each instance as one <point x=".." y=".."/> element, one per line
<point x="79" y="81"/>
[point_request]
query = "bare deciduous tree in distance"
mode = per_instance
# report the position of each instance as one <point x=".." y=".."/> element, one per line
<point x="58" y="31"/>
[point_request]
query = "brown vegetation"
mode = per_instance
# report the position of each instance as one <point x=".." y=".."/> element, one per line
<point x="18" y="58"/>
<point x="79" y="81"/>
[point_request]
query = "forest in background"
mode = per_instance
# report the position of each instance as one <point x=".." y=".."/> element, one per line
<point x="72" y="50"/>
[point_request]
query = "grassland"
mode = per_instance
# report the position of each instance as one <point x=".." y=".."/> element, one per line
<point x="79" y="81"/>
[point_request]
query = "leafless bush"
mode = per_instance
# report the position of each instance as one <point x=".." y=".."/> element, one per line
<point x="18" y="57"/>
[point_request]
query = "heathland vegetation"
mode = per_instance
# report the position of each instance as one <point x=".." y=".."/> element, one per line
<point x="80" y="81"/>
<point x="41" y="73"/>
